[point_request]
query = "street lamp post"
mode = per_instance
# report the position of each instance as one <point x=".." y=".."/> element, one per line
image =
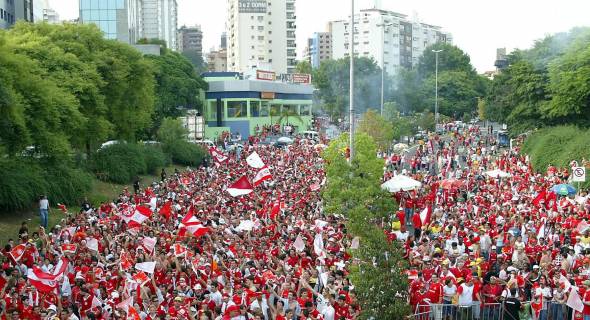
<point x="383" y="25"/>
<point x="351" y="97"/>
<point x="436" y="52"/>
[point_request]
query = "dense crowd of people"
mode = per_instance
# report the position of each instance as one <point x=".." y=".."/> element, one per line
<point x="188" y="248"/>
<point x="487" y="237"/>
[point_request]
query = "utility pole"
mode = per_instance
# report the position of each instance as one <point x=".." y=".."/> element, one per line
<point x="351" y="97"/>
<point x="436" y="52"/>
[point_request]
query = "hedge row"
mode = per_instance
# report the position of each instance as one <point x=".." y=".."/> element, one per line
<point x="24" y="181"/>
<point x="122" y="162"/>
<point x="558" y="146"/>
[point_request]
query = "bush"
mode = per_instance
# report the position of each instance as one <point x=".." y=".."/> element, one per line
<point x="185" y="153"/>
<point x="24" y="181"/>
<point x="66" y="185"/>
<point x="119" y="163"/>
<point x="558" y="146"/>
<point x="155" y="158"/>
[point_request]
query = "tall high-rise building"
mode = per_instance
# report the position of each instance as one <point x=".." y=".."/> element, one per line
<point x="120" y="19"/>
<point x="223" y="44"/>
<point x="261" y="35"/>
<point x="400" y="44"/>
<point x="159" y="21"/>
<point x="319" y="48"/>
<point x="190" y="39"/>
<point x="217" y="60"/>
<point x="7" y="16"/>
<point x="23" y="10"/>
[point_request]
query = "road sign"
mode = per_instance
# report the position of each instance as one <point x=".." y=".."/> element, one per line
<point x="579" y="174"/>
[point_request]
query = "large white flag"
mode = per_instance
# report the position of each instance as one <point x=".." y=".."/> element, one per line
<point x="299" y="245"/>
<point x="574" y="301"/>
<point x="147" y="267"/>
<point x="254" y="161"/>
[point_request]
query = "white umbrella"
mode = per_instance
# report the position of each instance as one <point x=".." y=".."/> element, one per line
<point x="401" y="182"/>
<point x="285" y="140"/>
<point x="497" y="173"/>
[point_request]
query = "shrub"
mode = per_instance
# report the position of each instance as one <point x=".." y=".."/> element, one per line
<point x="558" y="146"/>
<point x="24" y="181"/>
<point x="66" y="185"/>
<point x="155" y="158"/>
<point x="119" y="163"/>
<point x="185" y="153"/>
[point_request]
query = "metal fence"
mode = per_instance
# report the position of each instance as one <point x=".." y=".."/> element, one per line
<point x="487" y="311"/>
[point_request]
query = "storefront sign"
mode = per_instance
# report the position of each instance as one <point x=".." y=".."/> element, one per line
<point x="265" y="75"/>
<point x="297" y="78"/>
<point x="267" y="95"/>
<point x="252" y="6"/>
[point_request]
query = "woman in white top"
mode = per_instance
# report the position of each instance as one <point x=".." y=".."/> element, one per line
<point x="449" y="291"/>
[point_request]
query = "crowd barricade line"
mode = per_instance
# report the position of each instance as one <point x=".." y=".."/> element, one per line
<point x="487" y="311"/>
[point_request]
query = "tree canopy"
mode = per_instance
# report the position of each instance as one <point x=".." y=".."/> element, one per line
<point x="546" y="85"/>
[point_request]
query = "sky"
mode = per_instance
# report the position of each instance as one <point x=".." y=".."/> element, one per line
<point x="478" y="26"/>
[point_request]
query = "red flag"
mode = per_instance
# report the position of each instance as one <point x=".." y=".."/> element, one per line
<point x="44" y="286"/>
<point x="541" y="196"/>
<point x="240" y="187"/>
<point x="263" y="174"/>
<point x="69" y="248"/>
<point x="133" y="314"/>
<point x="141" y="278"/>
<point x="62" y="207"/>
<point x="217" y="156"/>
<point x="149" y="244"/>
<point x="276" y="208"/>
<point x="166" y="209"/>
<point x="17" y="252"/>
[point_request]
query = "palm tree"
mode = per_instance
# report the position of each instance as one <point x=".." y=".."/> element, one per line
<point x="285" y="113"/>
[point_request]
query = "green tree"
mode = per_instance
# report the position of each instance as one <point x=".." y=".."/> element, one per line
<point x="377" y="128"/>
<point x="171" y="130"/>
<point x="451" y="58"/>
<point x="177" y="85"/>
<point x="354" y="191"/>
<point x="196" y="59"/>
<point x="303" y="67"/>
<point x="457" y="92"/>
<point x="427" y="121"/>
<point x="569" y="77"/>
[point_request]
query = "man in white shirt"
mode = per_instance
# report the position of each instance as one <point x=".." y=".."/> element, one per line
<point x="44" y="211"/>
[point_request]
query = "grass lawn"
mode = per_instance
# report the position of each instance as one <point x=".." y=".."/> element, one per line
<point x="10" y="222"/>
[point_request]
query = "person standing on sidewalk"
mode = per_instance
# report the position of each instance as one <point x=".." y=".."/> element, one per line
<point x="44" y="210"/>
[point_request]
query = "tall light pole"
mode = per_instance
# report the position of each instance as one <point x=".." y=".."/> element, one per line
<point x="436" y="52"/>
<point x="351" y="97"/>
<point x="383" y="25"/>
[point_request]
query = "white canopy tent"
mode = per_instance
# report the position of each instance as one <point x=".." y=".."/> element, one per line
<point x="401" y="182"/>
<point x="497" y="173"/>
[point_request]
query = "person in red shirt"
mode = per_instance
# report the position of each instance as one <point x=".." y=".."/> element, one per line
<point x="341" y="308"/>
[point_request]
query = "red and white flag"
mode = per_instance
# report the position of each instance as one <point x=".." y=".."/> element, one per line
<point x="254" y="161"/>
<point x="62" y="207"/>
<point x="44" y="286"/>
<point x="191" y="224"/>
<point x="149" y="244"/>
<point x="17" y="252"/>
<point x="425" y="215"/>
<point x="315" y="187"/>
<point x="263" y="174"/>
<point x="136" y="217"/>
<point x="240" y="187"/>
<point x="69" y="248"/>
<point x="56" y="274"/>
<point x="179" y="250"/>
<point x="133" y="314"/>
<point x="217" y="156"/>
<point x="125" y="261"/>
<point x="141" y="278"/>
<point x="125" y="304"/>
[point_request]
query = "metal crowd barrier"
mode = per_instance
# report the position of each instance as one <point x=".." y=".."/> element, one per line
<point x="489" y="311"/>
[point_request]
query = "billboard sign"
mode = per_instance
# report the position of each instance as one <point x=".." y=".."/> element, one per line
<point x="265" y="75"/>
<point x="296" y="78"/>
<point x="252" y="6"/>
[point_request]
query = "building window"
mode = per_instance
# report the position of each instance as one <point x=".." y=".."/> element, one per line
<point x="260" y="28"/>
<point x="255" y="108"/>
<point x="212" y="112"/>
<point x="275" y="110"/>
<point x="305" y="110"/>
<point x="237" y="109"/>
